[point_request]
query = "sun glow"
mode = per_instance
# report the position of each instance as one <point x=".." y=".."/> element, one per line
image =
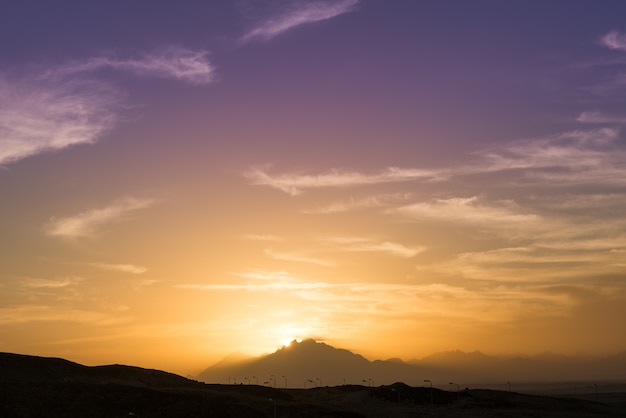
<point x="286" y="342"/>
<point x="287" y="333"/>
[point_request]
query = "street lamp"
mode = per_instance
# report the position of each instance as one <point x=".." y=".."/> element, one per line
<point x="274" y="402"/>
<point x="509" y="383"/>
<point x="458" y="390"/>
<point x="432" y="403"/>
<point x="285" y="381"/>
<point x="397" y="393"/>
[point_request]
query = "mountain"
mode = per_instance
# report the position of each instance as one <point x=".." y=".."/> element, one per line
<point x="310" y="363"/>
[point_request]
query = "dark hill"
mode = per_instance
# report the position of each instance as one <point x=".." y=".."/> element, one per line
<point x="23" y="368"/>
<point x="53" y="388"/>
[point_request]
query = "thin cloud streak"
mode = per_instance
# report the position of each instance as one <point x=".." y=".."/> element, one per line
<point x="121" y="268"/>
<point x="38" y="117"/>
<point x="351" y="204"/>
<point x="296" y="258"/>
<point x="174" y="63"/>
<point x="573" y="156"/>
<point x="301" y="14"/>
<point x="23" y="314"/>
<point x="295" y="184"/>
<point x="369" y="245"/>
<point x="262" y="237"/>
<point x="88" y="223"/>
<point x="467" y="210"/>
<point x="599" y="118"/>
<point x="37" y="283"/>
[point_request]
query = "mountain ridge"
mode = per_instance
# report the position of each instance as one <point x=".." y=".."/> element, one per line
<point x="313" y="362"/>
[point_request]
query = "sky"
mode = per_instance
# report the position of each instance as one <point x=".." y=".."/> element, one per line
<point x="183" y="180"/>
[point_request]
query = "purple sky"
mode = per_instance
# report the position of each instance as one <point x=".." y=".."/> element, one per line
<point x="206" y="177"/>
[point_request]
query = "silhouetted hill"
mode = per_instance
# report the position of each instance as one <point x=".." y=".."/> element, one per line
<point x="310" y="363"/>
<point x="53" y="388"/>
<point x="23" y="368"/>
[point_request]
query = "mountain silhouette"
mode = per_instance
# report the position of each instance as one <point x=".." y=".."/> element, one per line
<point x="311" y="363"/>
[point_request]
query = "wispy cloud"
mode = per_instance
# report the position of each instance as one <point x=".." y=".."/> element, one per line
<point x="574" y="157"/>
<point x="356" y="244"/>
<point x="614" y="40"/>
<point x="38" y="283"/>
<point x="262" y="237"/>
<point x="55" y="110"/>
<point x="568" y="149"/>
<point x="295" y="184"/>
<point x="266" y="275"/>
<point x="37" y="116"/>
<point x="87" y="223"/>
<point x="600" y="118"/>
<point x="402" y="301"/>
<point x="467" y="209"/>
<point x="295" y="257"/>
<point x="532" y="264"/>
<point x="177" y="63"/>
<point x="359" y="203"/>
<point x="300" y="13"/>
<point x="122" y="268"/>
<point x="22" y="314"/>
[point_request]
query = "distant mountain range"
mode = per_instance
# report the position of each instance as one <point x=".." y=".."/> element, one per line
<point x="310" y="363"/>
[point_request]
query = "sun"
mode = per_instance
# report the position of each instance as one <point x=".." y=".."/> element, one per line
<point x="286" y="342"/>
<point x="286" y="333"/>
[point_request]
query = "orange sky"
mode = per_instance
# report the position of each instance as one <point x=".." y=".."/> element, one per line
<point x="393" y="179"/>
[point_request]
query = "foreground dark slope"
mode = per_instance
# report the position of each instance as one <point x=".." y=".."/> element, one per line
<point x="50" y="387"/>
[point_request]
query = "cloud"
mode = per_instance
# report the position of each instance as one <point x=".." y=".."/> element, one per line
<point x="122" y="268"/>
<point x="87" y="223"/>
<point x="295" y="184"/>
<point x="338" y="301"/>
<point x="569" y="158"/>
<point x="467" y="210"/>
<point x="614" y="40"/>
<point x="301" y="13"/>
<point x="267" y="275"/>
<point x="55" y="110"/>
<point x="177" y="63"/>
<point x="37" y="283"/>
<point x="360" y="203"/>
<point x="297" y="258"/>
<point x="573" y="149"/>
<point x="22" y="314"/>
<point x="532" y="264"/>
<point x="262" y="237"/>
<point x="369" y="245"/>
<point x="599" y="118"/>
<point x="38" y="117"/>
